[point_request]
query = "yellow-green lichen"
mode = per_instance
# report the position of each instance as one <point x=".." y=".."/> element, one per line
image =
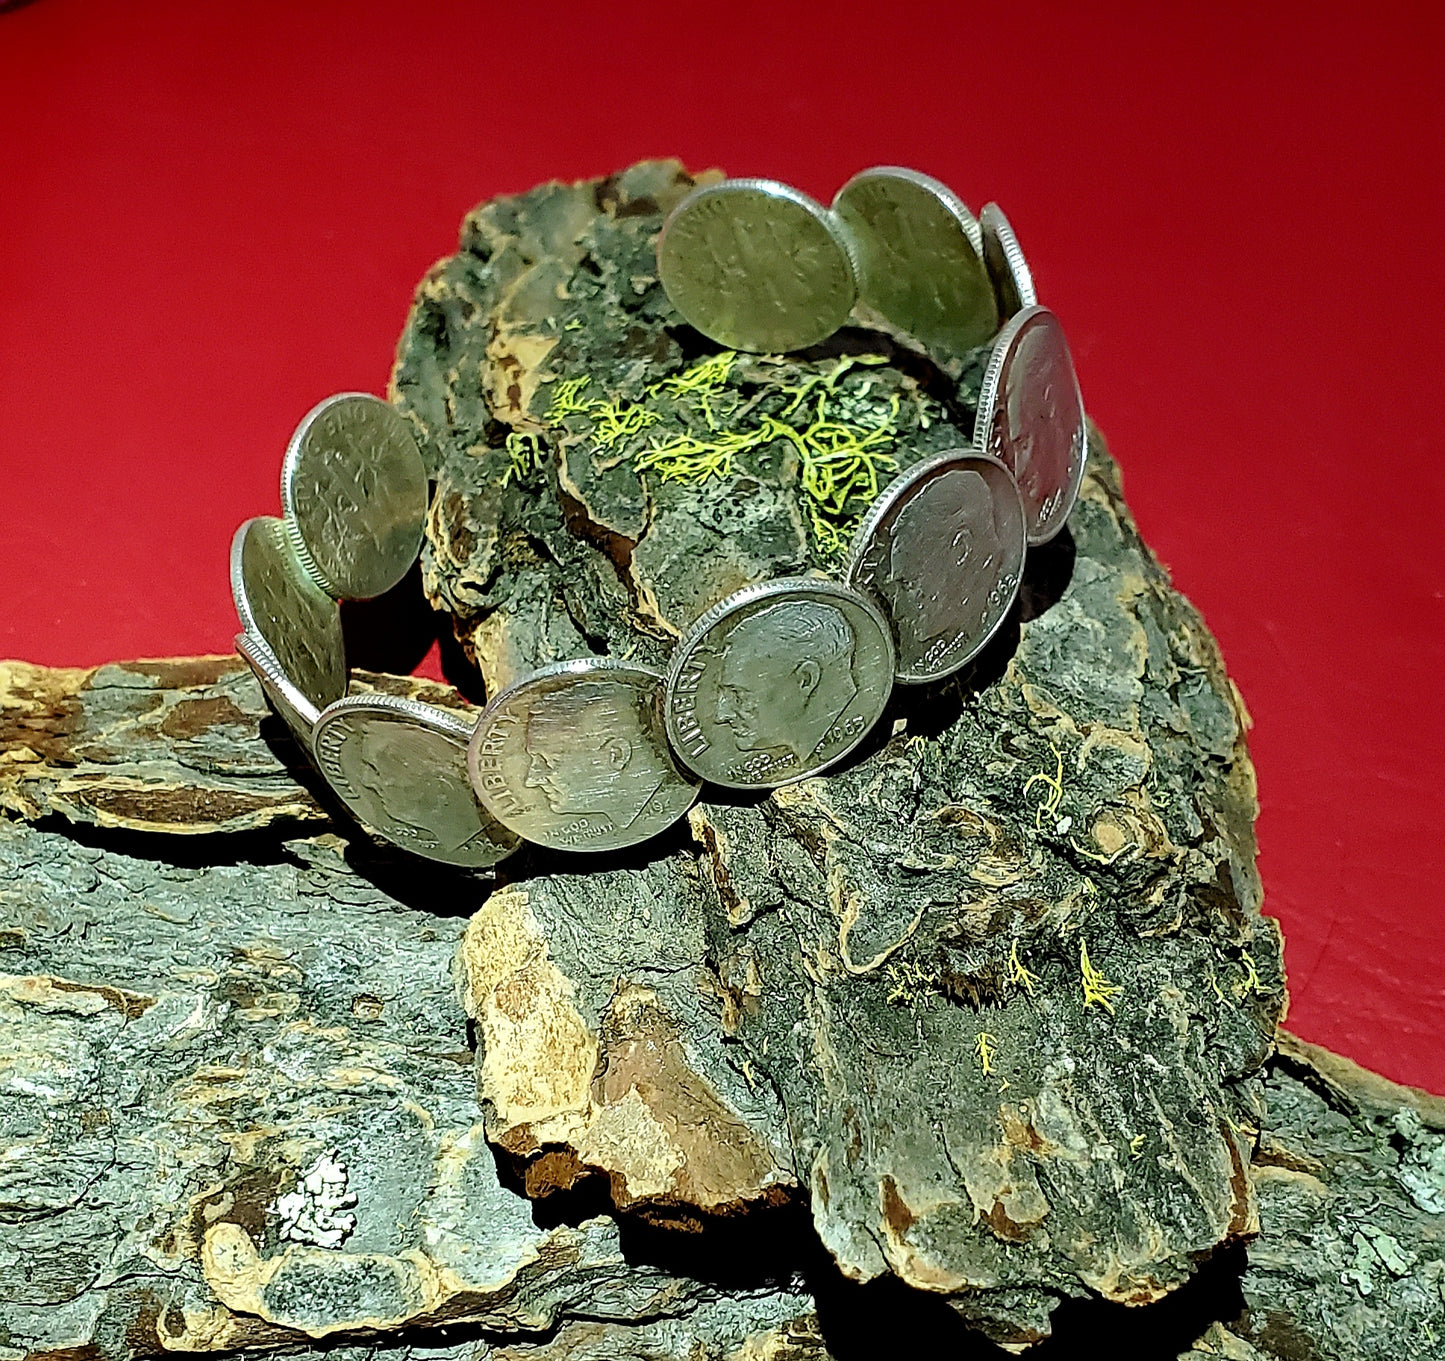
<point x="1046" y="813"/>
<point x="843" y="437"/>
<point x="911" y="983"/>
<point x="524" y="455"/>
<point x="1019" y="975"/>
<point x="1097" y="988"/>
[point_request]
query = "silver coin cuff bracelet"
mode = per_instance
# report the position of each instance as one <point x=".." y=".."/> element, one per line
<point x="773" y="684"/>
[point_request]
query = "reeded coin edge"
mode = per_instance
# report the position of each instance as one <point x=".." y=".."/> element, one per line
<point x="993" y="222"/>
<point x="988" y="394"/>
<point x="739" y="599"/>
<point x="917" y="472"/>
<point x="827" y="219"/>
<point x="426" y="714"/>
<point x="289" y="464"/>
<point x="257" y="654"/>
<point x="239" y="595"/>
<point x="946" y="196"/>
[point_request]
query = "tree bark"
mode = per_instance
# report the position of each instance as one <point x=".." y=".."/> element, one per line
<point x="186" y="1022"/>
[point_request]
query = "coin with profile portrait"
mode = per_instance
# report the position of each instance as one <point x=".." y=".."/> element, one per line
<point x="573" y="756"/>
<point x="943" y="549"/>
<point x="1031" y="418"/>
<point x="778" y="681"/>
<point x="400" y="767"/>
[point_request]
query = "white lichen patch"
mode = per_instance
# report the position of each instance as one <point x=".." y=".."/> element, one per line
<point x="316" y="1211"/>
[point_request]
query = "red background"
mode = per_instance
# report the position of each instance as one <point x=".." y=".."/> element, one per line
<point x="211" y="216"/>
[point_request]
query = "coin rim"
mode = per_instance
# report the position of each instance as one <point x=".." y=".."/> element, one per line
<point x="771" y="189"/>
<point x="574" y="666"/>
<point x="993" y="222"/>
<point x="240" y="597"/>
<point x="885" y="501"/>
<point x="730" y="604"/>
<point x="438" y="720"/>
<point x="292" y="523"/>
<point x="988" y="403"/>
<point x="256" y="652"/>
<point x="946" y="196"/>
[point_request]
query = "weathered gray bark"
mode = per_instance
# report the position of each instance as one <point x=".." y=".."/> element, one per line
<point x="897" y="1017"/>
<point x="186" y="1023"/>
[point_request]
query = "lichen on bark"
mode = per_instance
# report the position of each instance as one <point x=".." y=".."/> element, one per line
<point x="994" y="998"/>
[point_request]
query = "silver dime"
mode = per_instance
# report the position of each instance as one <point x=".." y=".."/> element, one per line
<point x="919" y="254"/>
<point x="1031" y="418"/>
<point x="943" y="548"/>
<point x="573" y="756"/>
<point x="778" y="681"/>
<point x="290" y="705"/>
<point x="354" y="493"/>
<point x="400" y="766"/>
<point x="756" y="265"/>
<point x="280" y="604"/>
<point x="1013" y="281"/>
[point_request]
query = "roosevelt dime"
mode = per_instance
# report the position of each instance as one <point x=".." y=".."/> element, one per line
<point x="400" y="766"/>
<point x="778" y="681"/>
<point x="919" y="253"/>
<point x="286" y="701"/>
<point x="279" y="603"/>
<point x="574" y="756"/>
<point x="756" y="265"/>
<point x="943" y="548"/>
<point x="354" y="493"/>
<point x="1031" y="418"/>
<point x="1013" y="281"/>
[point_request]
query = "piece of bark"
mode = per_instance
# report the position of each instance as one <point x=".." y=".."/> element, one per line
<point x="162" y="745"/>
<point x="181" y="1041"/>
<point x="186" y="1022"/>
<point x="888" y="987"/>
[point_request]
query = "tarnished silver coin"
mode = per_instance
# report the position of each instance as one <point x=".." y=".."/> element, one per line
<point x="1013" y="281"/>
<point x="1031" y="418"/>
<point x="573" y="756"/>
<point x="292" y="707"/>
<point x="778" y="681"/>
<point x="920" y="256"/>
<point x="400" y="767"/>
<point x="756" y="265"/>
<point x="279" y="603"/>
<point x="354" y="494"/>
<point x="943" y="548"/>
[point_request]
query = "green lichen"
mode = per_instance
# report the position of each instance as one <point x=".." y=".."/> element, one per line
<point x="1422" y="1164"/>
<point x="842" y="434"/>
<point x="1097" y="989"/>
<point x="524" y="456"/>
